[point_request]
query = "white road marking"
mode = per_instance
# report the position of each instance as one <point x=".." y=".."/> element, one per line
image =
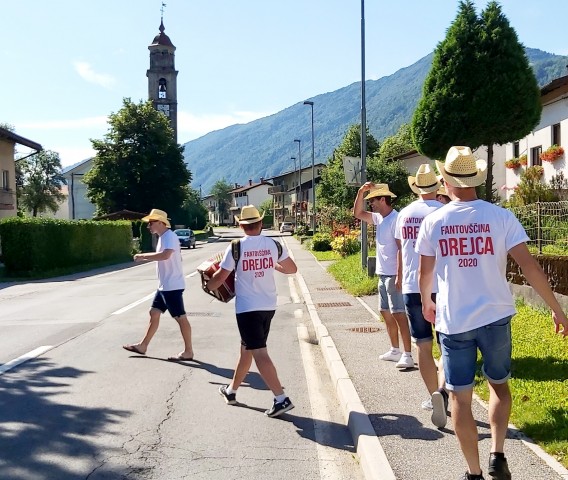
<point x="369" y="309"/>
<point x="24" y="358"/>
<point x="192" y="274"/>
<point x="327" y="456"/>
<point x="133" y="304"/>
<point x="293" y="291"/>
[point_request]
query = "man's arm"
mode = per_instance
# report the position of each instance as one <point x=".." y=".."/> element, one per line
<point x="425" y="279"/>
<point x="359" y="206"/>
<point x="537" y="279"/>
<point x="217" y="279"/>
<point x="153" y="256"/>
<point x="398" y="280"/>
<point x="286" y="266"/>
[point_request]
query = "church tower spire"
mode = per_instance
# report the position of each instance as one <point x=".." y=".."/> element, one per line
<point x="162" y="75"/>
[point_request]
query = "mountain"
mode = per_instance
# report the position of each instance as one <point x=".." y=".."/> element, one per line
<point x="263" y="148"/>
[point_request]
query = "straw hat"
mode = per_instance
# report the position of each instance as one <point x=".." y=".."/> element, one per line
<point x="249" y="214"/>
<point x="380" y="190"/>
<point x="159" y="215"/>
<point x="461" y="169"/>
<point x="425" y="180"/>
<point x="442" y="191"/>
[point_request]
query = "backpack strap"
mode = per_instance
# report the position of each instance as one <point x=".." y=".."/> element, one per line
<point x="279" y="247"/>
<point x="236" y="250"/>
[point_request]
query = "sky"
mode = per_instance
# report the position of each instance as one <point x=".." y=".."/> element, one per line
<point x="66" y="65"/>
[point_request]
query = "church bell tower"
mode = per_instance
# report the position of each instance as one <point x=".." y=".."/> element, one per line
<point x="162" y="76"/>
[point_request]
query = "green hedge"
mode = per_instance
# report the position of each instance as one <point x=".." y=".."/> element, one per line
<point x="33" y="245"/>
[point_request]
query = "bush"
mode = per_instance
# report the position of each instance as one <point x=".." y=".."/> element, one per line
<point x="347" y="244"/>
<point x="321" y="242"/>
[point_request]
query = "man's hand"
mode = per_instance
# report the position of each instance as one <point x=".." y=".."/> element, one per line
<point x="560" y="320"/>
<point x="367" y="186"/>
<point x="429" y="310"/>
<point x="139" y="257"/>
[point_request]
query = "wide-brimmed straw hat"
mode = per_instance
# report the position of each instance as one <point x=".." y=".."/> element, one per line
<point x="380" y="190"/>
<point x="159" y="215"/>
<point x="461" y="169"/>
<point x="249" y="214"/>
<point x="425" y="180"/>
<point x="442" y="191"/>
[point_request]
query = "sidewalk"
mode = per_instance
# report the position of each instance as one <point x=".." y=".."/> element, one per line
<point x="394" y="436"/>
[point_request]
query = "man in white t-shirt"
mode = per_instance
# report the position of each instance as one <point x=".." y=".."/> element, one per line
<point x="465" y="245"/>
<point x="169" y="295"/>
<point x="255" y="304"/>
<point x="425" y="185"/>
<point x="391" y="304"/>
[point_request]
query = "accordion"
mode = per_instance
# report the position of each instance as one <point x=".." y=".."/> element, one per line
<point x="226" y="291"/>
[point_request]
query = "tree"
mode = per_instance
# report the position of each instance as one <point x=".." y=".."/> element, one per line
<point x="480" y="89"/>
<point x="221" y="192"/>
<point x="194" y="213"/>
<point x="267" y="206"/>
<point x="332" y="189"/>
<point x="138" y="166"/>
<point x="39" y="182"/>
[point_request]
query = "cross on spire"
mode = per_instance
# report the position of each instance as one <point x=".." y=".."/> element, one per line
<point x="162" y="10"/>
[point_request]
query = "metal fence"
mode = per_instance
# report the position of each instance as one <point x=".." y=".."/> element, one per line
<point x="546" y="224"/>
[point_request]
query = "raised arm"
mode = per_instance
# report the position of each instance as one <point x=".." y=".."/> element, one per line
<point x="359" y="210"/>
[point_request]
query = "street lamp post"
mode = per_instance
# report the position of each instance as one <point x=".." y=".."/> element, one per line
<point x="300" y="171"/>
<point x="363" y="135"/>
<point x="314" y="211"/>
<point x="296" y="196"/>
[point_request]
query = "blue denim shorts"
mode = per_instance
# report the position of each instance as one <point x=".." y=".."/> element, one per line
<point x="420" y="328"/>
<point x="390" y="298"/>
<point x="460" y="354"/>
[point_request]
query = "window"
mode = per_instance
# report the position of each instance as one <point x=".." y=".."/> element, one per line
<point x="535" y="155"/>
<point x="5" y="180"/>
<point x="162" y="88"/>
<point x="556" y="134"/>
<point x="516" y="149"/>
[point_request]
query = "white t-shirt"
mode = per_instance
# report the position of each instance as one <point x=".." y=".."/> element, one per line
<point x="386" y="245"/>
<point x="170" y="271"/>
<point x="407" y="226"/>
<point x="255" y="287"/>
<point x="470" y="241"/>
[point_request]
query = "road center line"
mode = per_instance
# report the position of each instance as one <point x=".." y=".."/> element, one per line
<point x="133" y="304"/>
<point x="24" y="358"/>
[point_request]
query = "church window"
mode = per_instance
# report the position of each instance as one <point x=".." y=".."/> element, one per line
<point x="162" y="88"/>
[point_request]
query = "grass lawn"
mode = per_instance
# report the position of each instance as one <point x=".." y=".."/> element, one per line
<point x="539" y="382"/>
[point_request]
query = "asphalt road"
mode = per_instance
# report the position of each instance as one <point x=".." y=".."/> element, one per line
<point x="81" y="407"/>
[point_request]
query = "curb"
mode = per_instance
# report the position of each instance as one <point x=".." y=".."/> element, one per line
<point x="372" y="457"/>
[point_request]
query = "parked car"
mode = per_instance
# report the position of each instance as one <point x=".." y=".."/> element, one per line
<point x="186" y="237"/>
<point x="287" y="227"/>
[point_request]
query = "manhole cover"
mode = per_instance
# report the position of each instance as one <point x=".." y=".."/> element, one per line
<point x="333" y="304"/>
<point x="321" y="289"/>
<point x="365" y="329"/>
<point x="202" y="314"/>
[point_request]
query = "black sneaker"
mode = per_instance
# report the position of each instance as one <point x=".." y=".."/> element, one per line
<point x="498" y="468"/>
<point x="230" y="398"/>
<point x="279" y="408"/>
<point x="469" y="476"/>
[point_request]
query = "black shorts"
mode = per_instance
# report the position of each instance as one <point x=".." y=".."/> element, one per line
<point x="171" y="300"/>
<point x="254" y="328"/>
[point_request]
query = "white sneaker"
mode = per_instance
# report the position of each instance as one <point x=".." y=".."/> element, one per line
<point x="406" y="361"/>
<point x="391" y="356"/>
<point x="427" y="405"/>
<point x="439" y="407"/>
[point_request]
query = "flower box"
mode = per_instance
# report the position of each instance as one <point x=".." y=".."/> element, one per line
<point x="513" y="163"/>
<point x="552" y="153"/>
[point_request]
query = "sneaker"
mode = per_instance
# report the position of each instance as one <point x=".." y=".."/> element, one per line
<point x="498" y="468"/>
<point x="391" y="356"/>
<point x="406" y="361"/>
<point x="439" y="409"/>
<point x="279" y="408"/>
<point x="469" y="476"/>
<point x="427" y="404"/>
<point x="230" y="398"/>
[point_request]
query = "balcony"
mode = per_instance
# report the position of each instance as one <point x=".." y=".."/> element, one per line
<point x="275" y="190"/>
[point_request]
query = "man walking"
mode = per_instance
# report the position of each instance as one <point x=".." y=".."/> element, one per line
<point x="425" y="185"/>
<point x="255" y="304"/>
<point x="465" y="244"/>
<point x="169" y="295"/>
<point x="391" y="304"/>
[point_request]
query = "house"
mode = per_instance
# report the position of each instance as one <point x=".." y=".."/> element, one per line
<point x="551" y="130"/>
<point x="294" y="199"/>
<point x="213" y="214"/>
<point x="413" y="159"/>
<point x="8" y="141"/>
<point x="79" y="206"/>
<point x="253" y="193"/>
